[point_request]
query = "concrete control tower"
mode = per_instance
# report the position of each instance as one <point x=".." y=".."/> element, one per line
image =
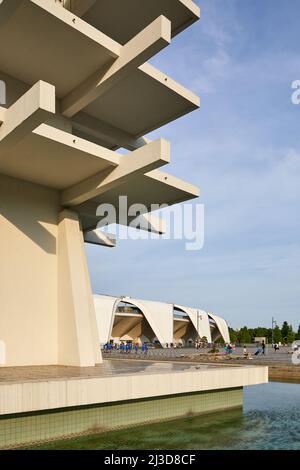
<point x="75" y="88"/>
<point x="78" y="88"/>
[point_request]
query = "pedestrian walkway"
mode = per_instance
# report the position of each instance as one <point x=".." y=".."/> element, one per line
<point x="283" y="356"/>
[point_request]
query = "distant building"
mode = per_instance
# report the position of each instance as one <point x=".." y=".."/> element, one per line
<point x="127" y="319"/>
<point x="260" y="339"/>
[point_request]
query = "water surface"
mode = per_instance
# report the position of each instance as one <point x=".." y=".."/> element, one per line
<point x="270" y="420"/>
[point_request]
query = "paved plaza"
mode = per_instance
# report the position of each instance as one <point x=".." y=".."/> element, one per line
<point x="283" y="356"/>
<point x="107" y="369"/>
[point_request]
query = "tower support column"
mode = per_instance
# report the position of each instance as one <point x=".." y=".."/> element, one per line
<point x="78" y="342"/>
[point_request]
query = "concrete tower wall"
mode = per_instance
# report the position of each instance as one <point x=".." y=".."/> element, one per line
<point x="47" y="311"/>
<point x="28" y="271"/>
<point x="69" y="101"/>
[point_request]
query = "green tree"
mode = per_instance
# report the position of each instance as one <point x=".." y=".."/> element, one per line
<point x="251" y="332"/>
<point x="277" y="336"/>
<point x="233" y="335"/>
<point x="298" y="333"/>
<point x="268" y="334"/>
<point x="290" y="335"/>
<point x="260" y="332"/>
<point x="285" y="331"/>
<point x="244" y="335"/>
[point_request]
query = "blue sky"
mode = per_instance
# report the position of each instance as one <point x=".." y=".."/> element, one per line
<point x="242" y="148"/>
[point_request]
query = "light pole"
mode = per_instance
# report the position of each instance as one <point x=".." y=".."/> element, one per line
<point x="198" y="336"/>
<point x="274" y="322"/>
<point x="199" y="318"/>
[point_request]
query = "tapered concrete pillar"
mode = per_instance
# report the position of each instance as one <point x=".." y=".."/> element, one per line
<point x="78" y="341"/>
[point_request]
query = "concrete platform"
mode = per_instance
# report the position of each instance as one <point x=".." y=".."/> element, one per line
<point x="47" y="155"/>
<point x="63" y="52"/>
<point x="44" y="403"/>
<point x="139" y="14"/>
<point x="28" y="389"/>
<point x="143" y="102"/>
<point x="67" y="51"/>
<point x="155" y="187"/>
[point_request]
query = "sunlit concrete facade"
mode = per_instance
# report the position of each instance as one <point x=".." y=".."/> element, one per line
<point x="76" y="88"/>
<point x="127" y="319"/>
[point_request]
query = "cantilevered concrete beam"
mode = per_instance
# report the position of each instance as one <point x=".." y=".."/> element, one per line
<point x="142" y="160"/>
<point x="135" y="53"/>
<point x="42" y="40"/>
<point x="26" y="114"/>
<point x="96" y="237"/>
<point x="186" y="191"/>
<point x="2" y="114"/>
<point x="138" y="13"/>
<point x="146" y="100"/>
<point x="147" y="222"/>
<point x="51" y="8"/>
<point x="106" y="133"/>
<point x="155" y="187"/>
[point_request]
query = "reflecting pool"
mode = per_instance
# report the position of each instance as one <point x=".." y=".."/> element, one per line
<point x="270" y="420"/>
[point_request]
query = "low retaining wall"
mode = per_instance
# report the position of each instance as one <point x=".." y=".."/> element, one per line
<point x="26" y="429"/>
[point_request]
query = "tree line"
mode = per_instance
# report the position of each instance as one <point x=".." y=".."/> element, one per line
<point x="283" y="335"/>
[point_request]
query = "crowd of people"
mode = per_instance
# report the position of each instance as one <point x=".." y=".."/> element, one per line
<point x="126" y="347"/>
<point x="260" y="349"/>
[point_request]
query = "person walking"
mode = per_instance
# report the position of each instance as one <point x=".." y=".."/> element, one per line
<point x="258" y="351"/>
<point x="263" y="347"/>
<point x="110" y="348"/>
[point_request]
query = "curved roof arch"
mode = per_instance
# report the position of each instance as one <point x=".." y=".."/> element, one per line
<point x="199" y="319"/>
<point x="105" y="307"/>
<point x="159" y="316"/>
<point x="222" y="327"/>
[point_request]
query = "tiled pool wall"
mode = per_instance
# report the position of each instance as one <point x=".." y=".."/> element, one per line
<point x="31" y="428"/>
